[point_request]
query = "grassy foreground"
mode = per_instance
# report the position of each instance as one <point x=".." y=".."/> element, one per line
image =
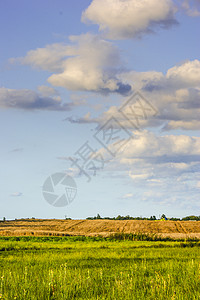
<point x="78" y="268"/>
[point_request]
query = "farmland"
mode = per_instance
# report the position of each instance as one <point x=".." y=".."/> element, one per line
<point x="39" y="227"/>
<point x="99" y="259"/>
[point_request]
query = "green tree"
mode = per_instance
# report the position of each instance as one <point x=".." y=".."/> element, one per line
<point x="163" y="216"/>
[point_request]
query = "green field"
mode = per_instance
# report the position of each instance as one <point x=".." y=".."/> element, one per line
<point x="94" y="268"/>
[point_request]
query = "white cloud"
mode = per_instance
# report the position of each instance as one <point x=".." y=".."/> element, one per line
<point x="139" y="79"/>
<point x="145" y="144"/>
<point x="92" y="68"/>
<point x="188" y="125"/>
<point x="121" y="19"/>
<point x="192" y="8"/>
<point x="166" y="166"/>
<point x="126" y="196"/>
<point x="139" y="176"/>
<point x="175" y="110"/>
<point x="182" y="76"/>
<point x="88" y="63"/>
<point x="47" y="91"/>
<point x="175" y="96"/>
<point x="198" y="184"/>
<point x="29" y="100"/>
<point x="49" y="58"/>
<point x="159" y="168"/>
<point x="154" y="180"/>
<point x="186" y="74"/>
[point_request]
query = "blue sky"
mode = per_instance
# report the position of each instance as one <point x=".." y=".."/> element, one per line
<point x="66" y="69"/>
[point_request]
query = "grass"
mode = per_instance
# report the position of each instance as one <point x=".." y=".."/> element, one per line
<point x="95" y="268"/>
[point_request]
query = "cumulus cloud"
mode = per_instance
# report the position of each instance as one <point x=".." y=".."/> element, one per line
<point x="29" y="100"/>
<point x="49" y="58"/>
<point x="161" y="169"/>
<point x="122" y="19"/>
<point x="186" y="74"/>
<point x="192" y="8"/>
<point x="89" y="63"/>
<point x="163" y="161"/>
<point x="133" y="114"/>
<point x="174" y="95"/>
<point x="92" y="68"/>
<point x="182" y="76"/>
<point x="178" y="110"/>
<point x="168" y="145"/>
<point x="47" y="91"/>
<point x="167" y="148"/>
<point x="177" y="95"/>
<point x="188" y="125"/>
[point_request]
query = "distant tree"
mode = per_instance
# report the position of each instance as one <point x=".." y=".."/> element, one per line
<point x="4" y="219"/>
<point x="163" y="216"/>
<point x="119" y="217"/>
<point x="192" y="218"/>
<point x="174" y="219"/>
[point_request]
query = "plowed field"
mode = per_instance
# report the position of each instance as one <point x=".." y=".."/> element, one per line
<point x="41" y="227"/>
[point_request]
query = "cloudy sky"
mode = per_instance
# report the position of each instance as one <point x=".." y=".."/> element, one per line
<point x="104" y="91"/>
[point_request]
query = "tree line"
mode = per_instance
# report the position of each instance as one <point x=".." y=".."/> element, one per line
<point x="152" y="218"/>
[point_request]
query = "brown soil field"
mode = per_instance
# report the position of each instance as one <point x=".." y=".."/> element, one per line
<point x="53" y="227"/>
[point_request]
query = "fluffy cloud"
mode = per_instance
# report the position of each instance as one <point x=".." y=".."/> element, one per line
<point x="146" y="143"/>
<point x="47" y="91"/>
<point x="162" y="169"/>
<point x="188" y="125"/>
<point x="155" y="163"/>
<point x="121" y="19"/>
<point x="49" y="58"/>
<point x="180" y="110"/>
<point x="168" y="148"/>
<point x="175" y="96"/>
<point x="87" y="64"/>
<point x="27" y="99"/>
<point x="192" y="8"/>
<point x="181" y="76"/>
<point x="186" y="74"/>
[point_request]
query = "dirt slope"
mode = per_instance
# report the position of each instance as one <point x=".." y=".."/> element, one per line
<point x="98" y="227"/>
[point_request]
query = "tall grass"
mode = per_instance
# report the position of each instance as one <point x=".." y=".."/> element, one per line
<point x="147" y="237"/>
<point x="112" y="237"/>
<point x="101" y="269"/>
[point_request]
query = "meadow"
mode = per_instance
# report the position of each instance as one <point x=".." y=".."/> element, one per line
<point x="98" y="268"/>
